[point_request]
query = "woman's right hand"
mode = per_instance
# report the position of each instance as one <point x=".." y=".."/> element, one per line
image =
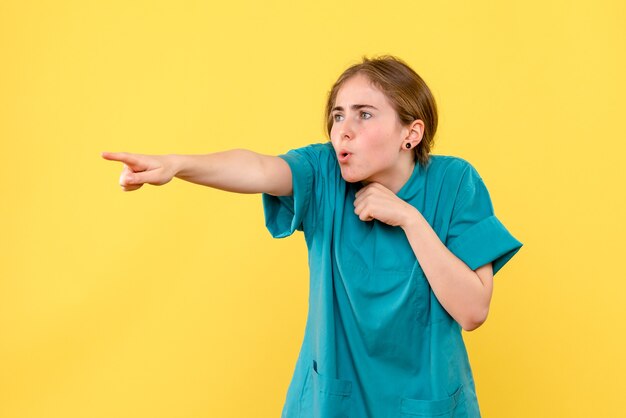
<point x="139" y="169"/>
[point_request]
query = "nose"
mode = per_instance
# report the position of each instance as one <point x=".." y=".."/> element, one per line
<point x="346" y="131"/>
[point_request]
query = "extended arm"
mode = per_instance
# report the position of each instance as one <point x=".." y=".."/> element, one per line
<point x="238" y="170"/>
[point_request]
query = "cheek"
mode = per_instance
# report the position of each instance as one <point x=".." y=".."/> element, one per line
<point x="380" y="141"/>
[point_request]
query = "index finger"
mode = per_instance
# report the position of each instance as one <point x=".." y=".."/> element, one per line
<point x="123" y="157"/>
<point x="363" y="189"/>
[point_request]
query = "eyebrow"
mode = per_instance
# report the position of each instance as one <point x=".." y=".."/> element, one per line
<point x="353" y="107"/>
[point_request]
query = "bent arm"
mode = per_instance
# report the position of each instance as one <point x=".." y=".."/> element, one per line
<point x="238" y="170"/>
<point x="464" y="293"/>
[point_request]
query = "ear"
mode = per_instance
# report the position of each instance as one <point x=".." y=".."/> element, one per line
<point x="415" y="133"/>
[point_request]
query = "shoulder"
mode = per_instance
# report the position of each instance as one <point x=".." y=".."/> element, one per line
<point x="452" y="168"/>
<point x="320" y="148"/>
<point x="324" y="150"/>
<point x="460" y="182"/>
<point x="317" y="154"/>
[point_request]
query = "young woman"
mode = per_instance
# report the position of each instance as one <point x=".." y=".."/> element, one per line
<point x="403" y="246"/>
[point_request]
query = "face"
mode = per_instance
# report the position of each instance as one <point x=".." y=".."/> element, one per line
<point x="367" y="134"/>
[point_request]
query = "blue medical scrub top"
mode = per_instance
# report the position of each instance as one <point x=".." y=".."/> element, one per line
<point x="377" y="341"/>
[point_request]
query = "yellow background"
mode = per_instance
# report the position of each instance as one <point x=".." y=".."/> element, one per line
<point x="174" y="301"/>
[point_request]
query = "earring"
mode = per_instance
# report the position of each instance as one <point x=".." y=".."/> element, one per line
<point x="408" y="145"/>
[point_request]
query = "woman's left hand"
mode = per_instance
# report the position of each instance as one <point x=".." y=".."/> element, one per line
<point x="375" y="201"/>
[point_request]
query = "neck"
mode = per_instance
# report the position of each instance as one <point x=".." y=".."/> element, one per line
<point x="395" y="180"/>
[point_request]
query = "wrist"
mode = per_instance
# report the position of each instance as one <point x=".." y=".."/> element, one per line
<point x="411" y="218"/>
<point x="176" y="163"/>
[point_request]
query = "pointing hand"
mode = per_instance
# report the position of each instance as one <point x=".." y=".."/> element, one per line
<point x="139" y="169"/>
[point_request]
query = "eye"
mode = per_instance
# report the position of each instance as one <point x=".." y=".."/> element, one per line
<point x="369" y="115"/>
<point x="335" y="116"/>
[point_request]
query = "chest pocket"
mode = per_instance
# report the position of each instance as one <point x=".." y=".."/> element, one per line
<point x="385" y="310"/>
<point x="385" y="304"/>
<point x="383" y="284"/>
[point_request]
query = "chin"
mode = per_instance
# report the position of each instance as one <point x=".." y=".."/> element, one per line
<point x="351" y="178"/>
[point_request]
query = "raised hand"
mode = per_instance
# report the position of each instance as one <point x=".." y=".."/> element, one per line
<point x="140" y="168"/>
<point x="375" y="201"/>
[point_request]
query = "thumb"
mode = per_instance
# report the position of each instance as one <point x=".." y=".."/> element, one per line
<point x="149" y="176"/>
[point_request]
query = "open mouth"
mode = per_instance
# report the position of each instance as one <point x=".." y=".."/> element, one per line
<point x="344" y="156"/>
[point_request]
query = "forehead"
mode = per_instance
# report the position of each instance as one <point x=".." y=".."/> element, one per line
<point x="360" y="90"/>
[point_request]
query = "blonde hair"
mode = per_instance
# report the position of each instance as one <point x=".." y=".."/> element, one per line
<point x="408" y="93"/>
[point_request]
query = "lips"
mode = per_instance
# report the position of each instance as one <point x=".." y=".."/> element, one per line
<point x="343" y="156"/>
